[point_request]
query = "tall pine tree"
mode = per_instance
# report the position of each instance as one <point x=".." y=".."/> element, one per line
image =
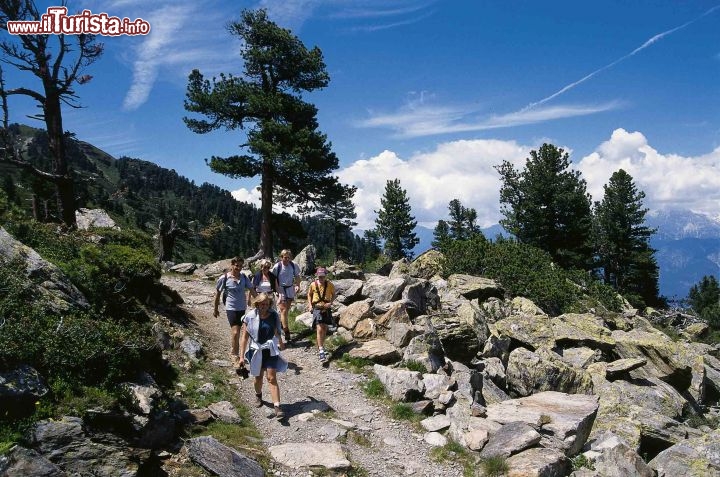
<point x="395" y="223"/>
<point x="623" y="241"/>
<point x="284" y="147"/>
<point x="341" y="215"/>
<point x="547" y="205"/>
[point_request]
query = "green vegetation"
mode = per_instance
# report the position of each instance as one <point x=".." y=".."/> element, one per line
<point x="582" y="462"/>
<point x="623" y="242"/>
<point x="374" y="388"/>
<point x="414" y="366"/>
<point x="704" y="298"/>
<point x="404" y="412"/>
<point x="494" y="466"/>
<point x="394" y="222"/>
<point x="455" y="452"/>
<point x="356" y="365"/>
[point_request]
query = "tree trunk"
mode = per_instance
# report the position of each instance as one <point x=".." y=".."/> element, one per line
<point x="56" y="144"/>
<point x="266" y="236"/>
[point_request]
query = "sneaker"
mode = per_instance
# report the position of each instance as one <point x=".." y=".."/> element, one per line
<point x="279" y="414"/>
<point x="323" y="356"/>
<point x="258" y="400"/>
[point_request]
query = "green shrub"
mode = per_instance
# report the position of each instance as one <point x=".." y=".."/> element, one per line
<point x="580" y="461"/>
<point x="356" y="365"/>
<point x="465" y="256"/>
<point x="526" y="271"/>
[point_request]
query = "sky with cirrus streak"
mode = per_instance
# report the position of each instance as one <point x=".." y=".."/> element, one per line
<point x="435" y="93"/>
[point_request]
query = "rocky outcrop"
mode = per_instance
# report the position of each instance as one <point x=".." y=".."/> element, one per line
<point x="54" y="289"/>
<point x="87" y="218"/>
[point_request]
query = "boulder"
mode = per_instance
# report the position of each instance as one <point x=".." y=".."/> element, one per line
<point x="400" y="334"/>
<point x="401" y="385"/>
<point x="305" y="260"/>
<point x="377" y="351"/>
<point x="184" y="268"/>
<point x="21" y="461"/>
<point x="221" y="460"/>
<point x="572" y="330"/>
<point x="529" y="372"/>
<point x="472" y="287"/>
<point x="20" y="389"/>
<point x="538" y="462"/>
<point x="54" y="290"/>
<point x="695" y="457"/>
<point x="566" y="418"/>
<point x="524" y="306"/>
<point x="532" y="331"/>
<point x="510" y="439"/>
<point x="423" y="295"/>
<point x="354" y="313"/>
<point x="383" y="289"/>
<point x="347" y="290"/>
<point x="87" y="218"/>
<point x="427" y="265"/>
<point x="341" y="270"/>
<point x="426" y="349"/>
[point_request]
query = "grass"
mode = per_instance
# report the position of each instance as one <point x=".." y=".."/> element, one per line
<point x="359" y="439"/>
<point x="455" y="452"/>
<point x="494" y="466"/>
<point x="413" y="365"/>
<point x="374" y="388"/>
<point x="404" y="412"/>
<point x="356" y="365"/>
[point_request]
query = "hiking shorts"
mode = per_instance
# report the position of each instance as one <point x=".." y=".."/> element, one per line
<point x="235" y="317"/>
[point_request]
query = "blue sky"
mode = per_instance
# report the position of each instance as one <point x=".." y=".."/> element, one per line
<point x="436" y="93"/>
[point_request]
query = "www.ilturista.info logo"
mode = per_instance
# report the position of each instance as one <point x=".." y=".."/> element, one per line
<point x="57" y="22"/>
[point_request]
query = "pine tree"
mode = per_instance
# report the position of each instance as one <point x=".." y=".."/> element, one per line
<point x="284" y="147"/>
<point x="623" y="246"/>
<point x="704" y="298"/>
<point x="395" y="223"/>
<point x="547" y="205"/>
<point x="340" y="213"/>
<point x="441" y="234"/>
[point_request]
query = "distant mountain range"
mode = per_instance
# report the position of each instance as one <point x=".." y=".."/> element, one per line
<point x="687" y="244"/>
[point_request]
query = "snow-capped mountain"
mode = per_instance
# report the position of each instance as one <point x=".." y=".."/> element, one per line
<point x="681" y="224"/>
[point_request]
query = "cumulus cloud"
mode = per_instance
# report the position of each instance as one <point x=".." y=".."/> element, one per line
<point x="464" y="170"/>
<point x="668" y="180"/>
<point x="460" y="170"/>
<point x="251" y="196"/>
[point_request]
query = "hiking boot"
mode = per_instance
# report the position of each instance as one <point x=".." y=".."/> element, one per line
<point x="258" y="400"/>
<point x="287" y="334"/>
<point x="279" y="414"/>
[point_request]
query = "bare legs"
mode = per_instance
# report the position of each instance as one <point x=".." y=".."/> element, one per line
<point x="284" y="308"/>
<point x="272" y="383"/>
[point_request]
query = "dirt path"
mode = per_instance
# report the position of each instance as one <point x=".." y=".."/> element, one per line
<point x="378" y="445"/>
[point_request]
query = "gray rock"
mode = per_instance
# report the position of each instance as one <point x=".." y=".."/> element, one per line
<point x="309" y="454"/>
<point x="192" y="348"/>
<point x="400" y="334"/>
<point x="383" y="289"/>
<point x="20" y="389"/>
<point x="581" y="357"/>
<point x="619" y="368"/>
<point x="435" y="439"/>
<point x="87" y="218"/>
<point x="530" y="372"/>
<point x="377" y="351"/>
<point x="305" y="260"/>
<point x="401" y="385"/>
<point x="184" y="268"/>
<point x="426" y="349"/>
<point x="567" y="418"/>
<point x="436" y="384"/>
<point x="348" y="290"/>
<point x="695" y="457"/>
<point x="539" y="462"/>
<point x="223" y="461"/>
<point x="472" y="287"/>
<point x="21" y="461"/>
<point x="54" y="289"/>
<point x="510" y="439"/>
<point x="225" y="411"/>
<point x="621" y="461"/>
<point x="436" y="423"/>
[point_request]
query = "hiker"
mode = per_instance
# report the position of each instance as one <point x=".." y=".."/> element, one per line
<point x="288" y="276"/>
<point x="262" y="326"/>
<point x="232" y="286"/>
<point x="320" y="298"/>
<point x="265" y="281"/>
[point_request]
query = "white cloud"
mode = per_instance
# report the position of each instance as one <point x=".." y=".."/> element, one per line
<point x="668" y="180"/>
<point x="464" y="170"/>
<point x="251" y="196"/>
<point x="419" y="118"/>
<point x="454" y="170"/>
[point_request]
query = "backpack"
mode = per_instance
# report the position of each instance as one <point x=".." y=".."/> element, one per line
<point x="278" y="267"/>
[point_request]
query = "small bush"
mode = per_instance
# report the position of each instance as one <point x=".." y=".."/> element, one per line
<point x="580" y="461"/>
